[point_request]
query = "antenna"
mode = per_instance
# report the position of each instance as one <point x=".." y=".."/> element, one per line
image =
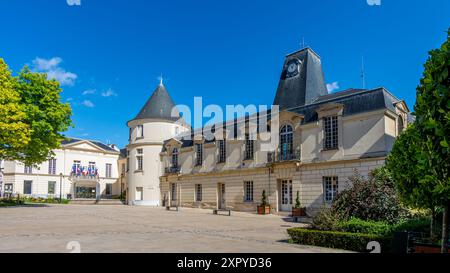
<point x="363" y="73"/>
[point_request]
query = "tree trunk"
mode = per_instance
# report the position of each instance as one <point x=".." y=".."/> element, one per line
<point x="445" y="229"/>
<point x="433" y="222"/>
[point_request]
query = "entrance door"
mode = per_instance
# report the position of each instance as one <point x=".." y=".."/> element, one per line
<point x="84" y="192"/>
<point x="286" y="195"/>
<point x="222" y="203"/>
<point x="173" y="195"/>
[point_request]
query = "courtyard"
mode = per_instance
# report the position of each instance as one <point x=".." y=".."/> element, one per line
<point x="50" y="228"/>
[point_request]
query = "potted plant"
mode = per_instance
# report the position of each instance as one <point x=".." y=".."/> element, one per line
<point x="298" y="210"/>
<point x="264" y="208"/>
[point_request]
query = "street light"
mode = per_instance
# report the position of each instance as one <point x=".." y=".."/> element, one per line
<point x="60" y="187"/>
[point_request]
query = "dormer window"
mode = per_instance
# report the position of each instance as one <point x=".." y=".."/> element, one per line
<point x="330" y="130"/>
<point x="400" y="125"/>
<point x="175" y="157"/>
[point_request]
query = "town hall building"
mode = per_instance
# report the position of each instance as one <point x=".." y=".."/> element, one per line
<point x="323" y="139"/>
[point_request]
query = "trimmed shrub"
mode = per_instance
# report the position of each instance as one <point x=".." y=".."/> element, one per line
<point x="355" y="225"/>
<point x="338" y="240"/>
<point x="421" y="224"/>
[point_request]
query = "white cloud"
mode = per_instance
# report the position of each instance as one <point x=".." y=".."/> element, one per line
<point x="89" y="92"/>
<point x="331" y="87"/>
<point x="69" y="99"/>
<point x="54" y="71"/>
<point x="88" y="103"/>
<point x="109" y="93"/>
<point x="74" y="2"/>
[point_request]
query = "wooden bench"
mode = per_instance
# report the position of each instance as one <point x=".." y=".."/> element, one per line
<point x="216" y="211"/>
<point x="170" y="208"/>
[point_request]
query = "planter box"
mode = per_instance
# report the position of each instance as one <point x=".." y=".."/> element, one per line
<point x="427" y="248"/>
<point x="263" y="210"/>
<point x="298" y="212"/>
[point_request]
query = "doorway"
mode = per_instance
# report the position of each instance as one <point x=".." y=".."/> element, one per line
<point x="221" y="197"/>
<point x="286" y="195"/>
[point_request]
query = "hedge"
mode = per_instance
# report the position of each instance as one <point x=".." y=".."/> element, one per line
<point x="355" y="225"/>
<point x="339" y="240"/>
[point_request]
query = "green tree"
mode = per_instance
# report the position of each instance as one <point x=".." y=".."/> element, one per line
<point x="411" y="174"/>
<point x="14" y="131"/>
<point x="32" y="117"/>
<point x="432" y="111"/>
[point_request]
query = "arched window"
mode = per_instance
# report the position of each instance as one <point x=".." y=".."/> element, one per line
<point x="175" y="157"/>
<point x="400" y="125"/>
<point x="286" y="142"/>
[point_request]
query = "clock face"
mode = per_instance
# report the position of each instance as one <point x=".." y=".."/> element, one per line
<point x="293" y="68"/>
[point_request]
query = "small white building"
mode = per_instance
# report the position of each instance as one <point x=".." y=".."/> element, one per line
<point x="80" y="169"/>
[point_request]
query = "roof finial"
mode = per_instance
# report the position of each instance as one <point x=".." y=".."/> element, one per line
<point x="160" y="80"/>
<point x="303" y="43"/>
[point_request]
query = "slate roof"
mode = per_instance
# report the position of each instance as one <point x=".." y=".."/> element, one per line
<point x="355" y="101"/>
<point x="158" y="106"/>
<point x="304" y="88"/>
<point x="68" y="141"/>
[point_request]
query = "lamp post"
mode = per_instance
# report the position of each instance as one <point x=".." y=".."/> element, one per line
<point x="60" y="187"/>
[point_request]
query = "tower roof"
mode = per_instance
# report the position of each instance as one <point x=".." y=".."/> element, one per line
<point x="302" y="80"/>
<point x="159" y="106"/>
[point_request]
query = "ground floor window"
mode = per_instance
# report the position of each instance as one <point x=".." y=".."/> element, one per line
<point x="331" y="187"/>
<point x="248" y="191"/>
<point x="84" y="192"/>
<point x="27" y="186"/>
<point x="198" y="192"/>
<point x="51" y="187"/>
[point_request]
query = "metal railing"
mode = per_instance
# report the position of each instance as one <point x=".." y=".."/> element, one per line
<point x="273" y="157"/>
<point x="173" y="170"/>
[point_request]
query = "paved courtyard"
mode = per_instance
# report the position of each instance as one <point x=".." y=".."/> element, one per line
<point x="142" y="229"/>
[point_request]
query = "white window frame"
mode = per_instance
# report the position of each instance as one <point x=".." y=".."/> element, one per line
<point x="330" y="188"/>
<point x="222" y="151"/>
<point x="331" y="133"/>
<point x="54" y="187"/>
<point x="52" y="166"/>
<point x="248" y="192"/>
<point x="139" y="160"/>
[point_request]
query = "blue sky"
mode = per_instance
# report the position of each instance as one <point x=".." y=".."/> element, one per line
<point x="109" y="54"/>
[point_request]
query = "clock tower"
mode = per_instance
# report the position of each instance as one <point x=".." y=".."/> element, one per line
<point x="302" y="80"/>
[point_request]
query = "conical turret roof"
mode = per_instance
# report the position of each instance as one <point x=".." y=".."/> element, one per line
<point x="159" y="106"/>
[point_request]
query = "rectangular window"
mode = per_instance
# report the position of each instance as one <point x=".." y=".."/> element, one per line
<point x="51" y="187"/>
<point x="222" y="151"/>
<point x="140" y="131"/>
<point x="330" y="125"/>
<point x="28" y="169"/>
<point x="108" y="170"/>
<point x="27" y="187"/>
<point x="331" y="187"/>
<point x="108" y="189"/>
<point x="139" y="160"/>
<point x="52" y="166"/>
<point x="248" y="191"/>
<point x="249" y="148"/>
<point x="199" y="154"/>
<point x="128" y="160"/>
<point x="198" y="192"/>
